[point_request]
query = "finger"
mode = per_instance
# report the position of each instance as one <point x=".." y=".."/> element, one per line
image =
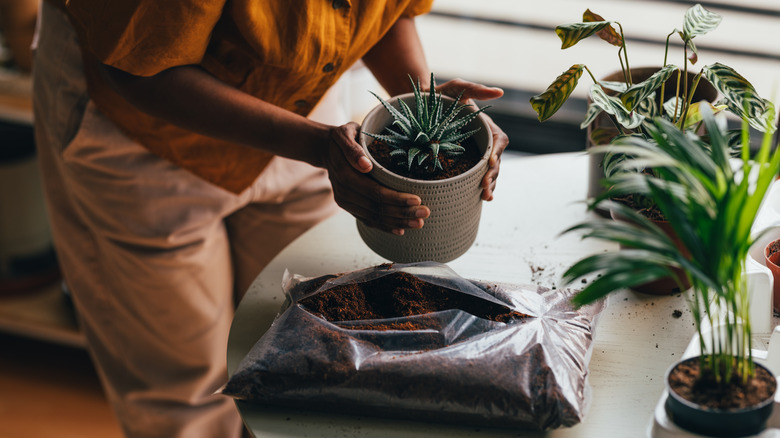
<point x="488" y="183"/>
<point x="372" y="202"/>
<point x="389" y="218"/>
<point x="344" y="137"/>
<point x="470" y="90"/>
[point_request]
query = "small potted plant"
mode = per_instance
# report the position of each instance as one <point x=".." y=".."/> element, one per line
<point x="418" y="143"/>
<point x="642" y="94"/>
<point x="711" y="205"/>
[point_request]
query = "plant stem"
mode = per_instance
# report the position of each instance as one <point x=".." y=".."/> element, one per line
<point x="666" y="60"/>
<point x="624" y="49"/>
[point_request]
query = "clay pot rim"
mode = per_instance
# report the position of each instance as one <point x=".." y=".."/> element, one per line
<point x="767" y="255"/>
<point x="481" y="120"/>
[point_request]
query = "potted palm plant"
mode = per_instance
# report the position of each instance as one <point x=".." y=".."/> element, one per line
<point x="642" y="94"/>
<point x="712" y="204"/>
<point x="418" y="143"/>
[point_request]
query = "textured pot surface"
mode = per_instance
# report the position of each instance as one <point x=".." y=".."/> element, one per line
<point x="455" y="203"/>
<point x="716" y="422"/>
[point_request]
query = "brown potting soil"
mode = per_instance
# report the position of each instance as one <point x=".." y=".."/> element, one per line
<point x="686" y="380"/>
<point x="490" y="376"/>
<point x="773" y="249"/>
<point x="397" y="295"/>
<point x="451" y="165"/>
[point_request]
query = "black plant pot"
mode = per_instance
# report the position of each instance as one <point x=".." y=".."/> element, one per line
<point x="717" y="422"/>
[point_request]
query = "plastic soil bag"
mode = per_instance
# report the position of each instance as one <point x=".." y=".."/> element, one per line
<point x="418" y="341"/>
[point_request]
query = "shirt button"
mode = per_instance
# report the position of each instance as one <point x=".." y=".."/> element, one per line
<point x="328" y="67"/>
<point x="301" y="103"/>
<point x="338" y="4"/>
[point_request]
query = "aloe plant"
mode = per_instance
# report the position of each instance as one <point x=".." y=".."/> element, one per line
<point x="633" y="105"/>
<point x="431" y="130"/>
<point x="711" y="205"/>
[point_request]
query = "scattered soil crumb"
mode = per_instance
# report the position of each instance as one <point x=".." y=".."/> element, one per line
<point x="677" y="313"/>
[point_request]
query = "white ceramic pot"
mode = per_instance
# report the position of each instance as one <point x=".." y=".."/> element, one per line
<point x="455" y="202"/>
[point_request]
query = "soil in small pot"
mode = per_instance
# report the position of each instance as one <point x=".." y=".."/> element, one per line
<point x="772" y="251"/>
<point x="397" y="295"/>
<point x="686" y="381"/>
<point x="451" y="165"/>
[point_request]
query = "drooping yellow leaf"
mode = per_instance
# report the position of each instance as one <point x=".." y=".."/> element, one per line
<point x="549" y="102"/>
<point x="608" y="34"/>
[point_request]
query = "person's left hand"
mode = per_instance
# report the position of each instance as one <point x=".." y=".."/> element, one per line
<point x="472" y="92"/>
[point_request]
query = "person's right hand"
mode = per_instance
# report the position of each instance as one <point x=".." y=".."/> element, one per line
<point x="359" y="194"/>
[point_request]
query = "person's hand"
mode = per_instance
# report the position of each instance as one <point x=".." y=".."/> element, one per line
<point x="472" y="91"/>
<point x="376" y="205"/>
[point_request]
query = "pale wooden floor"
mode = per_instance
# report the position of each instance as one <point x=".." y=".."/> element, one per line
<point x="49" y="390"/>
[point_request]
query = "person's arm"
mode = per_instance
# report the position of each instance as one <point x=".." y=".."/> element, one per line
<point x="400" y="54"/>
<point x="17" y="23"/>
<point x="191" y="98"/>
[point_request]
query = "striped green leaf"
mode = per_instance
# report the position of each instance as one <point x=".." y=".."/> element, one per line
<point x="549" y="102"/>
<point x="699" y="21"/>
<point x="614" y="106"/>
<point x="641" y="91"/>
<point x="740" y="96"/>
<point x="571" y="34"/>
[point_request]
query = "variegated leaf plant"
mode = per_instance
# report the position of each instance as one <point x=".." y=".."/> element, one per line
<point x="632" y="103"/>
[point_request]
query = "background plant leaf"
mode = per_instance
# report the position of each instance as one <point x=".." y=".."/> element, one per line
<point x="608" y="34"/>
<point x="741" y="97"/>
<point x="614" y="106"/>
<point x="571" y="34"/>
<point x="641" y="91"/>
<point x="549" y="102"/>
<point x="699" y="21"/>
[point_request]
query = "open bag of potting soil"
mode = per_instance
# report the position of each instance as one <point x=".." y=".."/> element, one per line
<point x="419" y="341"/>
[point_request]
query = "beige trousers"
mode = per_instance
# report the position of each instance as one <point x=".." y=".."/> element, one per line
<point x="155" y="257"/>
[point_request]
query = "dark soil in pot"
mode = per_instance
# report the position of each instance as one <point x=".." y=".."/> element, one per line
<point x="724" y="410"/>
<point x="451" y="166"/>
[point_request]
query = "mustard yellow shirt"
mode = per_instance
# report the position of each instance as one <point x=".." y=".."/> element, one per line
<point x="285" y="52"/>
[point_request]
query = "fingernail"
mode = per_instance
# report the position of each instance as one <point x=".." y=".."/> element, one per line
<point x="397" y="232"/>
<point x="413" y="202"/>
<point x="364" y="163"/>
<point x="421" y="213"/>
<point x="416" y="223"/>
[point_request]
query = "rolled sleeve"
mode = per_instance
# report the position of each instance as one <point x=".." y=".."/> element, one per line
<point x="416" y="8"/>
<point x="145" y="37"/>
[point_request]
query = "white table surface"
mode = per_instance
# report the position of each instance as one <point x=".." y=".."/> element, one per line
<point x="519" y="241"/>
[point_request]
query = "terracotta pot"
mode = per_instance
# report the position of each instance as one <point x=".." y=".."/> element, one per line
<point x="704" y="91"/>
<point x="772" y="258"/>
<point x="667" y="285"/>
<point x="455" y="203"/>
<point x="713" y="422"/>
